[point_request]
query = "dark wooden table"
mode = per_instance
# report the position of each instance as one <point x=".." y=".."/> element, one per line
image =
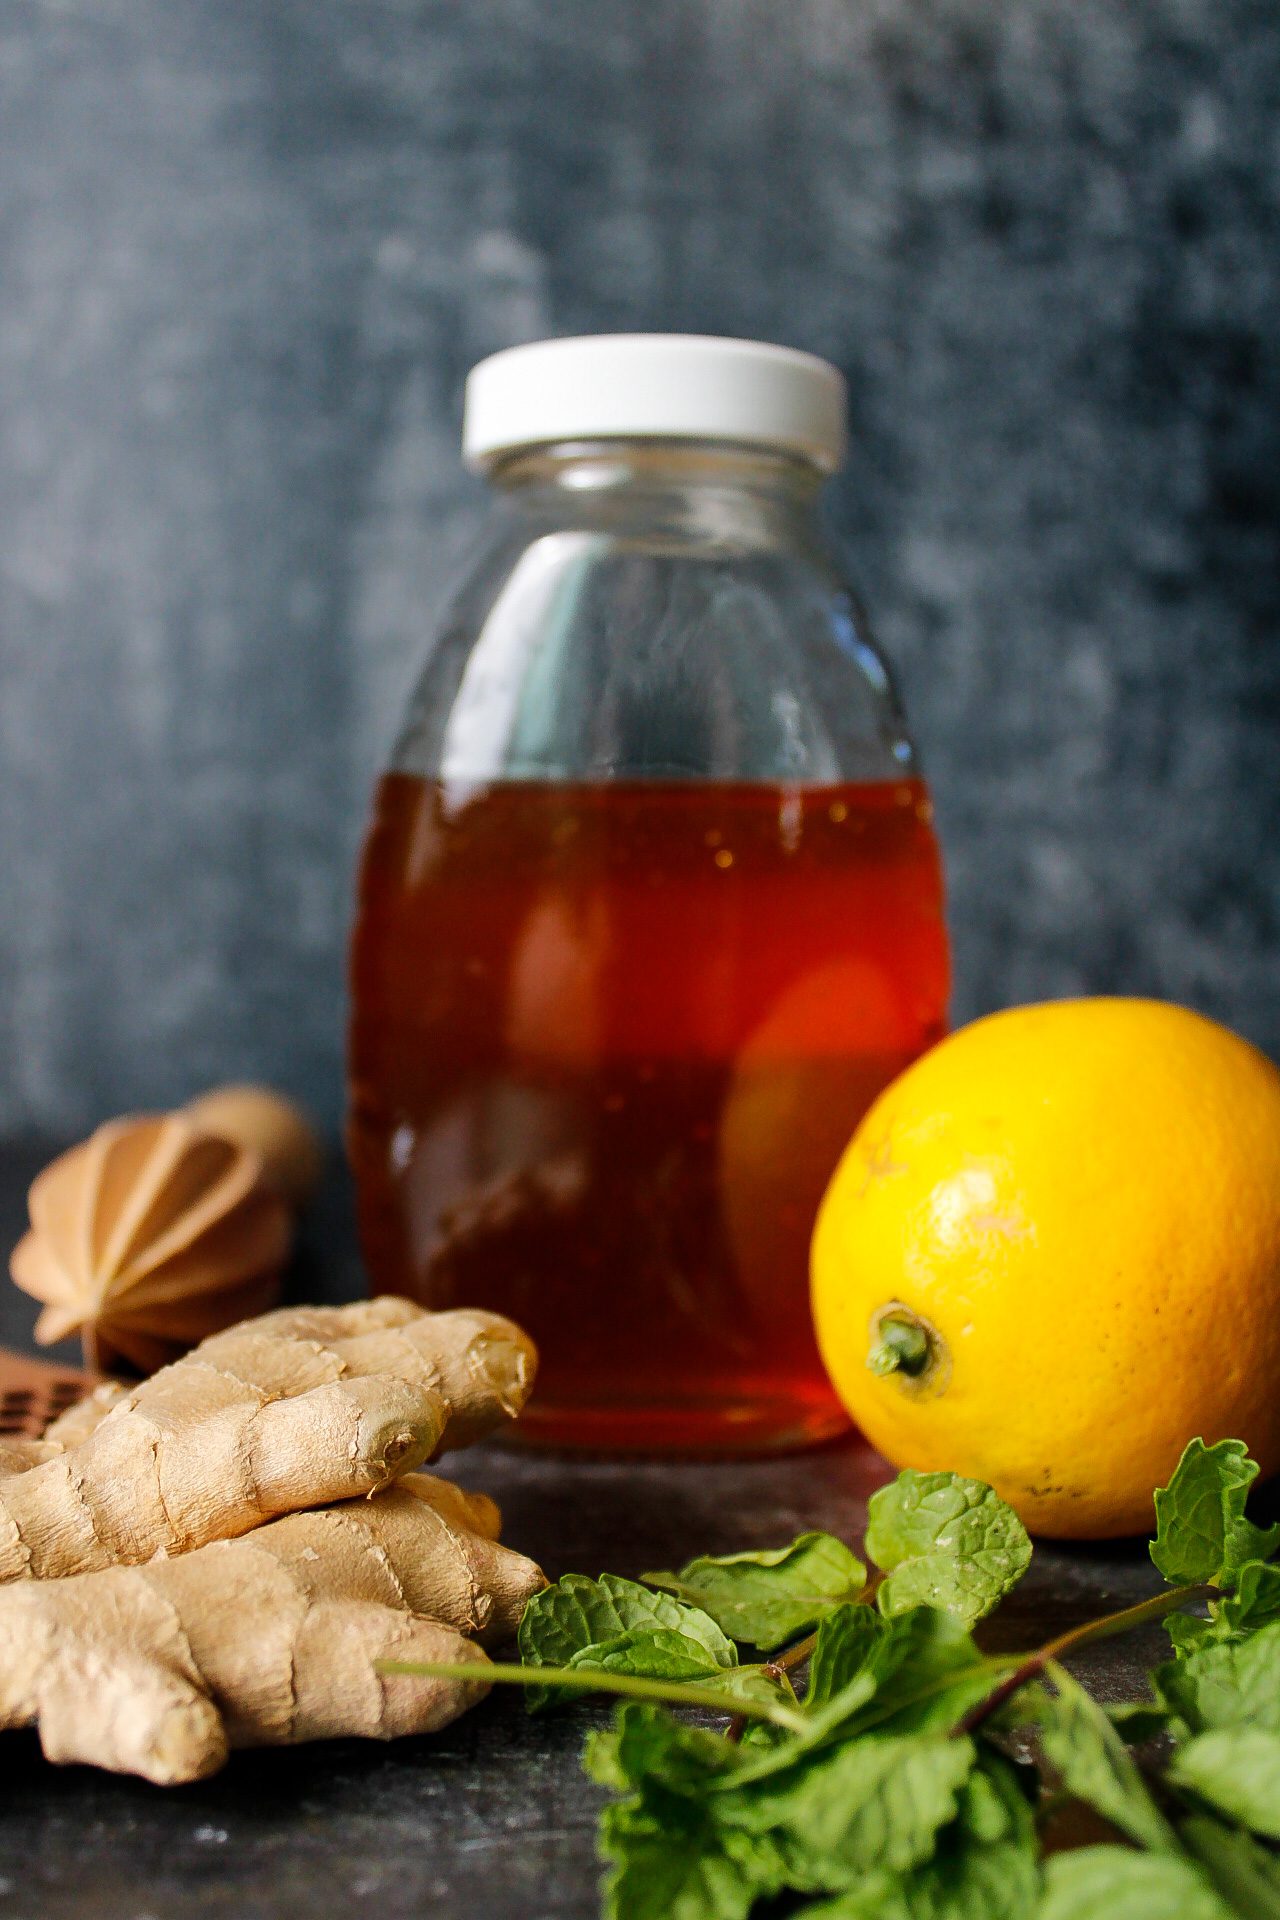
<point x="493" y="1818"/>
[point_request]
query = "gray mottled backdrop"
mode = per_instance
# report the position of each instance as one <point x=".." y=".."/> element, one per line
<point x="248" y="249"/>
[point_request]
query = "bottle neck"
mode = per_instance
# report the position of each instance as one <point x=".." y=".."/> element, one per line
<point x="705" y="491"/>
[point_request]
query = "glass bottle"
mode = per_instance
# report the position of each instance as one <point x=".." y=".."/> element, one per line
<point x="650" y="907"/>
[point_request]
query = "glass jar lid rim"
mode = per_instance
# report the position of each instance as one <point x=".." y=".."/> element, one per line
<point x="655" y="386"/>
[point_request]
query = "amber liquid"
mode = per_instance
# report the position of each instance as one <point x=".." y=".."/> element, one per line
<point x="608" y="1042"/>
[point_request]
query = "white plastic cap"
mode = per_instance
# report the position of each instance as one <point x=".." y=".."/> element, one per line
<point x="667" y="386"/>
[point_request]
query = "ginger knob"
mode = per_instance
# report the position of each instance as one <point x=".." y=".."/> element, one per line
<point x="163" y="1228"/>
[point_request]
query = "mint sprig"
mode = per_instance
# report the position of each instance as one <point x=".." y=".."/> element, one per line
<point x="764" y="1598"/>
<point x="945" y="1541"/>
<point x="611" y="1625"/>
<point x="885" y="1791"/>
<point x="1201" y="1531"/>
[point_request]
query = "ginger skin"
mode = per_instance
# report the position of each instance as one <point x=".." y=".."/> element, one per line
<point x="294" y="1410"/>
<point x="266" y="1640"/>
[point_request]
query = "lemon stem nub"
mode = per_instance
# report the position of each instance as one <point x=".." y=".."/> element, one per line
<point x="902" y="1346"/>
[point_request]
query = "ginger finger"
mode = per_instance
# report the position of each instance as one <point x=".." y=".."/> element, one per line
<point x="17" y="1455"/>
<point x="443" y="1545"/>
<point x="484" y="1364"/>
<point x="338" y="1323"/>
<point x="265" y="1640"/>
<point x="339" y="1691"/>
<point x="462" y="1505"/>
<point x="480" y="1363"/>
<point x="146" y="1719"/>
<point x="139" y="1486"/>
<point x="76" y="1424"/>
<point x="80" y="1419"/>
<point x="261" y="1420"/>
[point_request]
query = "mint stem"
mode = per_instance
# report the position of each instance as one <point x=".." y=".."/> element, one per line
<point x="586" y="1680"/>
<point x="1104" y="1628"/>
<point x="796" y="1655"/>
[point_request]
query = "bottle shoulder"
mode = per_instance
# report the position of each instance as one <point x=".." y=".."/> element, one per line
<point x="595" y="651"/>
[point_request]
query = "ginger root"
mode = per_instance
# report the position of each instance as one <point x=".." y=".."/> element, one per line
<point x="243" y="1628"/>
<point x="296" y="1409"/>
<point x="264" y="1640"/>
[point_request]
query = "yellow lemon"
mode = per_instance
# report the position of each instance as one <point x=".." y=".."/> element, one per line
<point x="1051" y="1256"/>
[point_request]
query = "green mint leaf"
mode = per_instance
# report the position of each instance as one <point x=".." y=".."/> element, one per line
<point x="964" y="1882"/>
<point x="1187" y="1632"/>
<point x="921" y="1674"/>
<point x="768" y="1758"/>
<point x="667" y="1855"/>
<point x="668" y="1861"/>
<point x="938" y="1711"/>
<point x="877" y="1896"/>
<point x="1255" y="1603"/>
<point x="985" y="1866"/>
<point x="1235" y="1770"/>
<point x="1201" y="1531"/>
<point x="1234" y="1683"/>
<point x="993" y="1805"/>
<point x="984" y="1870"/>
<point x="569" y="1623"/>
<point x="909" y="1820"/>
<point x="889" y="1671"/>
<point x="646" y="1744"/>
<point x="845" y="1811"/>
<point x="766" y="1598"/>
<point x="918" y="1648"/>
<point x="1120" y="1885"/>
<point x="844" y="1644"/>
<point x="912" y="1663"/>
<point x="651" y="1744"/>
<point x="1246" y="1874"/>
<point x="578" y="1612"/>
<point x="601" y="1760"/>
<point x="945" y="1542"/>
<point x="1081" y="1745"/>
<point x="654" y="1653"/>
